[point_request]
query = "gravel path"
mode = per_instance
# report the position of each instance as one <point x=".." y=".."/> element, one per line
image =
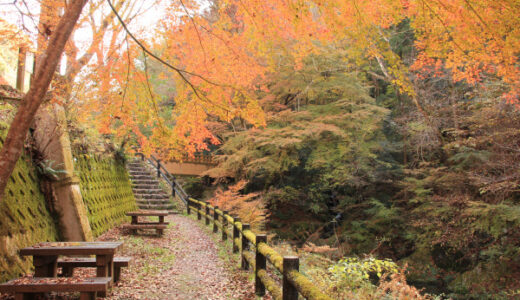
<point x="182" y="264"/>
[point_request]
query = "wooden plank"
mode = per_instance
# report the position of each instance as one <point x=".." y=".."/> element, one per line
<point x="148" y="213"/>
<point x="72" y="248"/>
<point x="146" y="226"/>
<point x="150" y="223"/>
<point x="90" y="262"/>
<point x="44" y="284"/>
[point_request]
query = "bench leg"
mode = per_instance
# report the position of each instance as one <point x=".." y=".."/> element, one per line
<point x="24" y="296"/>
<point x="87" y="296"/>
<point x="160" y="231"/>
<point x="117" y="274"/>
<point x="67" y="271"/>
<point x="105" y="268"/>
<point x="45" y="266"/>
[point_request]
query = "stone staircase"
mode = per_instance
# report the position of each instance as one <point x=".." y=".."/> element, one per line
<point x="147" y="191"/>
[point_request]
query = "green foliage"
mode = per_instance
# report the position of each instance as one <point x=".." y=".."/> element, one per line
<point x="327" y="155"/>
<point x="194" y="186"/>
<point x="437" y="188"/>
<point x="359" y="270"/>
<point x="49" y="170"/>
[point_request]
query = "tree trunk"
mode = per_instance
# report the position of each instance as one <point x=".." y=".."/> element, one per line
<point x="14" y="142"/>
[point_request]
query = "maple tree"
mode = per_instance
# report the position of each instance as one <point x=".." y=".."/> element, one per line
<point x="225" y="51"/>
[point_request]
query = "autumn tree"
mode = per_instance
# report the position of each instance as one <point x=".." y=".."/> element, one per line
<point x="13" y="145"/>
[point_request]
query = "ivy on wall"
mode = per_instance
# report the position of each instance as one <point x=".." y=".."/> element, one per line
<point x="24" y="218"/>
<point x="106" y="190"/>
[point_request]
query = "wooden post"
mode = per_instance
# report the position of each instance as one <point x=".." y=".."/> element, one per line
<point x="207" y="214"/>
<point x="260" y="264"/>
<point x="199" y="216"/>
<point x="245" y="246"/>
<point x="289" y="291"/>
<point x="236" y="234"/>
<point x="188" y="210"/>
<point x="158" y="168"/>
<point x="173" y="190"/>
<point x="215" y="219"/>
<point x="224" y="226"/>
<point x="20" y="74"/>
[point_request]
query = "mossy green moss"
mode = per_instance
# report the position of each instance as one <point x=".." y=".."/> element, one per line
<point x="106" y="190"/>
<point x="307" y="289"/>
<point x="24" y="218"/>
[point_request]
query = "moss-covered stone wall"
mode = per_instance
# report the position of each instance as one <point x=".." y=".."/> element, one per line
<point x="24" y="218"/>
<point x="106" y="190"/>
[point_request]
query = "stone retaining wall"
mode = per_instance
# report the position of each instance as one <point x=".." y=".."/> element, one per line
<point x="24" y="217"/>
<point x="106" y="190"/>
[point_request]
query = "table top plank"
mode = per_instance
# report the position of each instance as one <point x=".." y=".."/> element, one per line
<point x="72" y="248"/>
<point x="144" y="213"/>
<point x="45" y="284"/>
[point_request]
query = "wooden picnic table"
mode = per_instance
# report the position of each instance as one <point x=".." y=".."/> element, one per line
<point x="45" y="256"/>
<point x="158" y="226"/>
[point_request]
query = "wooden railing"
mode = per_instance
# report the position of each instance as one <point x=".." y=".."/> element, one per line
<point x="198" y="159"/>
<point x="255" y="253"/>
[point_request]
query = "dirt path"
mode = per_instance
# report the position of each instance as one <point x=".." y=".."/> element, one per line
<point x="183" y="264"/>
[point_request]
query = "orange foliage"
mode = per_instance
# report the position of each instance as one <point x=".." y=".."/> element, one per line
<point x="13" y="37"/>
<point x="248" y="207"/>
<point x="396" y="287"/>
<point x="226" y="52"/>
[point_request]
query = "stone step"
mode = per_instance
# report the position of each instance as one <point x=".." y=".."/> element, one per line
<point x="157" y="207"/>
<point x="148" y="190"/>
<point x="137" y="170"/>
<point x="152" y="196"/>
<point x="143" y="177"/>
<point x="137" y="173"/>
<point x="135" y="164"/>
<point x="144" y="202"/>
<point x="145" y="181"/>
<point x="145" y="186"/>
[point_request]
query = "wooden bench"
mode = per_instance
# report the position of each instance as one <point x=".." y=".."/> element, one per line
<point x="29" y="288"/>
<point x="68" y="264"/>
<point x="159" y="227"/>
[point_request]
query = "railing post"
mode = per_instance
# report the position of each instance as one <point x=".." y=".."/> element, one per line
<point x="244" y="247"/>
<point x="260" y="264"/>
<point x="158" y="168"/>
<point x="289" y="291"/>
<point x="199" y="216"/>
<point x="207" y="213"/>
<point x="224" y="226"/>
<point x="173" y="190"/>
<point x="236" y="234"/>
<point x="215" y="219"/>
<point x="188" y="210"/>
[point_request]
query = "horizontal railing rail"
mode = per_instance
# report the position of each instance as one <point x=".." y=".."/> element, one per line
<point x="294" y="283"/>
<point x="198" y="159"/>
